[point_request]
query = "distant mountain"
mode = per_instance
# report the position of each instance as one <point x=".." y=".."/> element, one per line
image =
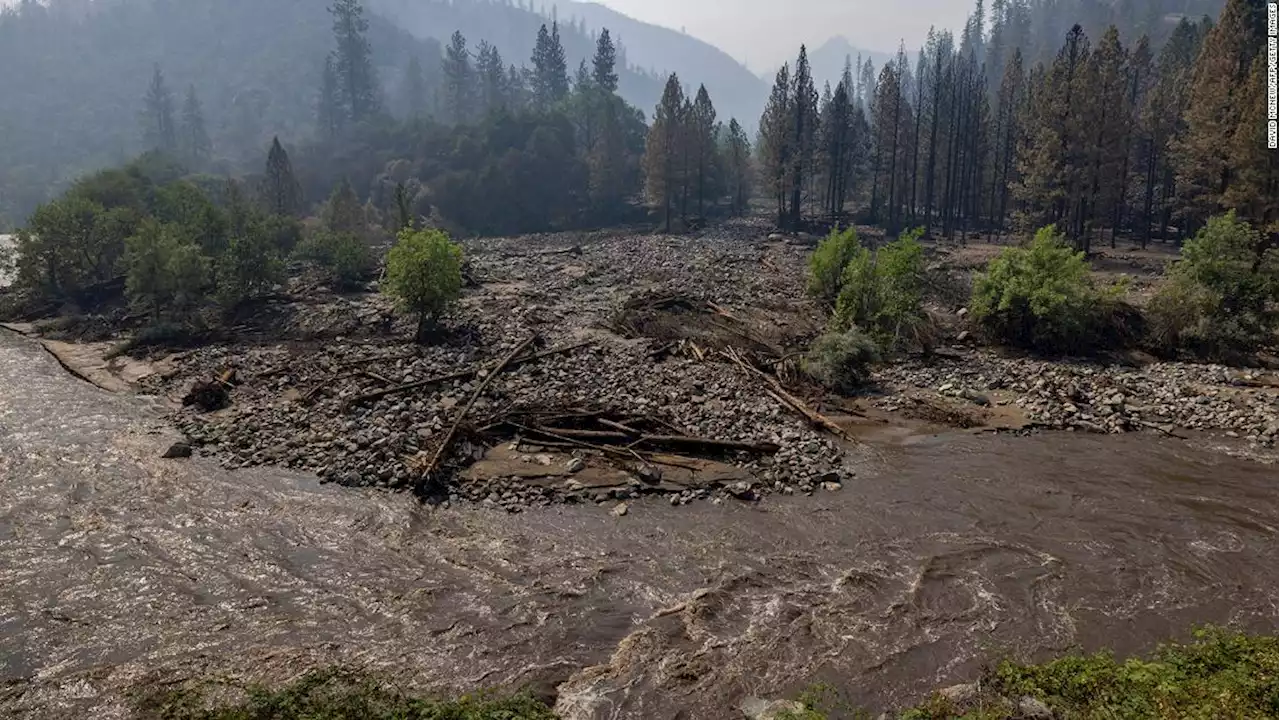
<point x="827" y="60"/>
<point x="75" y="74"/>
<point x="648" y="52"/>
<point x="513" y="29"/>
<point x="735" y="90"/>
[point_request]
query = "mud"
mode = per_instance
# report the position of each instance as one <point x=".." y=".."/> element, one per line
<point x="947" y="551"/>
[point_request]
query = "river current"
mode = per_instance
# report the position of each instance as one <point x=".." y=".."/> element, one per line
<point x="941" y="555"/>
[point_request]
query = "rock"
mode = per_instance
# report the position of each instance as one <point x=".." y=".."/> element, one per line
<point x="832" y="486"/>
<point x="754" y="708"/>
<point x="575" y="465"/>
<point x="620" y="510"/>
<point x="962" y="336"/>
<point x="961" y="693"/>
<point x="741" y="490"/>
<point x="177" y="450"/>
<point x="962" y="312"/>
<point x="775" y="237"/>
<point x="1033" y="709"/>
<point x="448" y="403"/>
<point x="544" y="460"/>
<point x="976" y="398"/>
<point x="649" y="473"/>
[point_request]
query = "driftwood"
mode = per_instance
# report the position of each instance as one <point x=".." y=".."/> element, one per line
<point x="675" y="441"/>
<point x="431" y="464"/>
<point x="605" y="436"/>
<point x="461" y="374"/>
<point x="780" y="394"/>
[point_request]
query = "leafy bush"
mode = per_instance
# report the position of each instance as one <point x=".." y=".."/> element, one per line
<point x="1218" y="299"/>
<point x="826" y="266"/>
<point x="330" y="695"/>
<point x="70" y="245"/>
<point x="163" y="270"/>
<point x="249" y="268"/>
<point x="882" y="291"/>
<point x="1041" y="297"/>
<point x="424" y="272"/>
<point x="839" y="360"/>
<point x="343" y="254"/>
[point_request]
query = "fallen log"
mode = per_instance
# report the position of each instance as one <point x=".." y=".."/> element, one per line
<point x="462" y="374"/>
<point x="447" y="441"/>
<point x="780" y="394"/>
<point x="685" y="441"/>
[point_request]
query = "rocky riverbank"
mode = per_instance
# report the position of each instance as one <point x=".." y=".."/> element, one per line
<point x="634" y="327"/>
<point x="1162" y="397"/>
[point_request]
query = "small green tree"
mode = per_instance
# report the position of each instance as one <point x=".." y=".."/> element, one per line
<point x="148" y="281"/>
<point x="1218" y="299"/>
<point x="342" y="254"/>
<point x="343" y="212"/>
<point x="882" y="292"/>
<point x="249" y="268"/>
<point x="826" y="266"/>
<point x="162" y="270"/>
<point x="424" y="273"/>
<point x="1039" y="296"/>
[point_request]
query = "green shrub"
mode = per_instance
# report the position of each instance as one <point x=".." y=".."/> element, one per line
<point x="70" y="245"/>
<point x="1217" y="300"/>
<point x="328" y="695"/>
<point x="343" y="254"/>
<point x="1040" y="296"/>
<point x="839" y="360"/>
<point x="249" y="268"/>
<point x="882" y="291"/>
<point x="424" y="273"/>
<point x="826" y="266"/>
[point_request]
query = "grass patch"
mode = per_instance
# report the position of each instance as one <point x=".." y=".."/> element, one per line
<point x="327" y="695"/>
<point x="1220" y="675"/>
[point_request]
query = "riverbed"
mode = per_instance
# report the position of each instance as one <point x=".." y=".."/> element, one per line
<point x="942" y="554"/>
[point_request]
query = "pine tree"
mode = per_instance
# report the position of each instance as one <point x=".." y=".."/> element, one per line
<point x="158" y="129"/>
<point x="330" y="114"/>
<point x="459" y="80"/>
<point x="1008" y="134"/>
<point x="415" y="90"/>
<point x="607" y="156"/>
<point x="516" y="88"/>
<point x="353" y="66"/>
<point x="1254" y="177"/>
<point x="1052" y="161"/>
<point x="1217" y="96"/>
<point x="804" y="111"/>
<point x="550" y="71"/>
<point x="662" y="149"/>
<point x="837" y="146"/>
<point x="196" y="145"/>
<point x="737" y="155"/>
<point x="775" y="143"/>
<point x="281" y="193"/>
<point x="702" y="124"/>
<point x="1106" y="118"/>
<point x="603" y="63"/>
<point x="343" y="212"/>
<point x="492" y="75"/>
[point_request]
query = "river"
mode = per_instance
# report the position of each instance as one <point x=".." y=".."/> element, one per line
<point x="941" y="555"/>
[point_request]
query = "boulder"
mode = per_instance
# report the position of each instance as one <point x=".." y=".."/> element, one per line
<point x="1032" y="709"/>
<point x="754" y="708"/>
<point x="177" y="450"/>
<point x="961" y="693"/>
<point x="620" y="510"/>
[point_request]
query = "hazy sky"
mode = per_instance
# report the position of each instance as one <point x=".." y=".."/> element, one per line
<point x="764" y="33"/>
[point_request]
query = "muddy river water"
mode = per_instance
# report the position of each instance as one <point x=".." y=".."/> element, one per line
<point x="118" y="567"/>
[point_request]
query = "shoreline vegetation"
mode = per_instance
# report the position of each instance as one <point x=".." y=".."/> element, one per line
<point x="1219" y="674"/>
